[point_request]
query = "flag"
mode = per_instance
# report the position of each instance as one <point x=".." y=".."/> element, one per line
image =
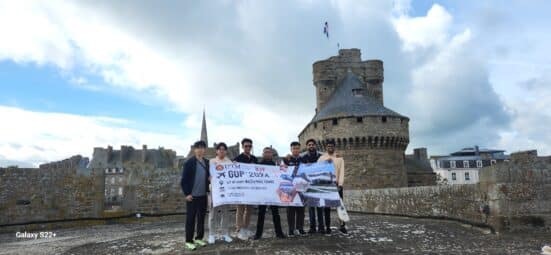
<point x="326" y="30"/>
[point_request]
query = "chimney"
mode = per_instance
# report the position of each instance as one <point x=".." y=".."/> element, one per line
<point x="476" y="150"/>
<point x="420" y="154"/>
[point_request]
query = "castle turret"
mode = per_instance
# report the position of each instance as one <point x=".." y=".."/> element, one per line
<point x="328" y="73"/>
<point x="350" y="111"/>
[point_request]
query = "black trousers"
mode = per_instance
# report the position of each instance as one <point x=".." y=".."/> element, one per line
<point x="295" y="218"/>
<point x="196" y="210"/>
<point x="323" y="213"/>
<point x="275" y="217"/>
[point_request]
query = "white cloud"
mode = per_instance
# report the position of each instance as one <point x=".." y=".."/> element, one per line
<point x="37" y="137"/>
<point x="249" y="63"/>
<point x="424" y="31"/>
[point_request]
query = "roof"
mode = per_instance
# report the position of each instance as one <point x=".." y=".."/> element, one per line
<point x="343" y="102"/>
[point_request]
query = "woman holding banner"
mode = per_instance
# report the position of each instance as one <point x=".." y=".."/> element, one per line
<point x="219" y="217"/>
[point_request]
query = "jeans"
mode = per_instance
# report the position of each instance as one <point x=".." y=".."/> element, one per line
<point x="323" y="213"/>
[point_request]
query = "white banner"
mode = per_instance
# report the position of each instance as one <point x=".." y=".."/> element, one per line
<point x="253" y="184"/>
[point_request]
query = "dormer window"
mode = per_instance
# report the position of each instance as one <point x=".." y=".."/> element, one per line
<point x="358" y="92"/>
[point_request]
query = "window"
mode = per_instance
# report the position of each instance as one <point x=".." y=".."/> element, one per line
<point x="106" y="170"/>
<point x="452" y="163"/>
<point x="112" y="180"/>
<point x="467" y="177"/>
<point x="465" y="164"/>
<point x="479" y="163"/>
<point x="384" y="119"/>
<point x="359" y="119"/>
<point x="315" y="124"/>
<point x="335" y="122"/>
<point x="454" y="177"/>
<point x="120" y="190"/>
<point x="493" y="162"/>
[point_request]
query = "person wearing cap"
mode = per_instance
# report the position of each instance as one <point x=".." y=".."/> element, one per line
<point x="195" y="184"/>
<point x="219" y="217"/>
<point x="267" y="159"/>
<point x="338" y="162"/>
<point x="243" y="213"/>
<point x="295" y="214"/>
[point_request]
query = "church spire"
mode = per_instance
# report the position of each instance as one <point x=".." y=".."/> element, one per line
<point x="204" y="137"/>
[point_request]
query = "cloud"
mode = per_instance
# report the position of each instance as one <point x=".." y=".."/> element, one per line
<point x="249" y="63"/>
<point x="36" y="137"/>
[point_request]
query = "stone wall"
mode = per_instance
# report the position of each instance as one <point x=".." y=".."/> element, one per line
<point x="75" y="188"/>
<point x="511" y="196"/>
<point x="55" y="191"/>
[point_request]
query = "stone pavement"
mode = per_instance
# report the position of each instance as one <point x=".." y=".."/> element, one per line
<point x="368" y="234"/>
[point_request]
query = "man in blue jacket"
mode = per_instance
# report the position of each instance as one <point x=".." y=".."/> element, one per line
<point x="195" y="183"/>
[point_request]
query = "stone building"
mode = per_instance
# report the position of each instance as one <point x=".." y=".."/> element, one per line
<point x="463" y="167"/>
<point x="418" y="169"/>
<point x="350" y="110"/>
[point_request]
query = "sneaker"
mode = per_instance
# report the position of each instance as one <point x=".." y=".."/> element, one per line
<point x="256" y="237"/>
<point x="300" y="231"/>
<point x="248" y="232"/>
<point x="200" y="243"/>
<point x="211" y="239"/>
<point x="321" y="231"/>
<point x="291" y="233"/>
<point x="227" y="239"/>
<point x="312" y="231"/>
<point x="281" y="236"/>
<point x="241" y="235"/>
<point x="343" y="230"/>
<point x="328" y="230"/>
<point x="190" y="246"/>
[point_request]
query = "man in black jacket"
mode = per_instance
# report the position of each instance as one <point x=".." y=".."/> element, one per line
<point x="312" y="156"/>
<point x="295" y="214"/>
<point x="267" y="159"/>
<point x="195" y="185"/>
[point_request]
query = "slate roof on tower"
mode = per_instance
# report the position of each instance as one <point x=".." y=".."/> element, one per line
<point x="350" y="99"/>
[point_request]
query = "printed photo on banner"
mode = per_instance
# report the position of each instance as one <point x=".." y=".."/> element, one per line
<point x="317" y="185"/>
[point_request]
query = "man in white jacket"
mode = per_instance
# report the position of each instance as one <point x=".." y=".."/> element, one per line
<point x="219" y="217"/>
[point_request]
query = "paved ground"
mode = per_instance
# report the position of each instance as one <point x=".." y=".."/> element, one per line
<point x="368" y="234"/>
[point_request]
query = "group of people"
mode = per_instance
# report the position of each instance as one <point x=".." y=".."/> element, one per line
<point x="195" y="186"/>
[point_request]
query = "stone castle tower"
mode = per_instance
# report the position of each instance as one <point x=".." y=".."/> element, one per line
<point x="371" y="138"/>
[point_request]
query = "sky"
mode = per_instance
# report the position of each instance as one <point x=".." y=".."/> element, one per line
<point x="75" y="75"/>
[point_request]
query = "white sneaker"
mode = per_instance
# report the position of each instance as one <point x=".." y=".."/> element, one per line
<point x="241" y="235"/>
<point x="249" y="233"/>
<point x="211" y="239"/>
<point x="227" y="238"/>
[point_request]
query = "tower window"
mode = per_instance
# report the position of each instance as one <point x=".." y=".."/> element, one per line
<point x="384" y="119"/>
<point x="359" y="119"/>
<point x="335" y="122"/>
<point x="315" y="124"/>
